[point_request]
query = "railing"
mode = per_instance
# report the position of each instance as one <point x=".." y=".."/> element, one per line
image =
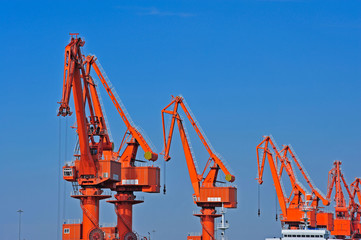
<point x="112" y="88"/>
<point x="225" y="163"/>
<point x="194" y="234"/>
<point x="306" y="173"/>
<point x="103" y="108"/>
<point x="223" y="225"/>
<point x="107" y="225"/>
<point x="147" y="164"/>
<point x="137" y="198"/>
<point x="197" y="212"/>
<point x="222" y="238"/>
<point x="190" y="146"/>
<point x="71" y="163"/>
<point x="72" y="221"/>
<point x="78" y="193"/>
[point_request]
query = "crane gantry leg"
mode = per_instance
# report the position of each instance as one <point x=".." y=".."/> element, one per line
<point x="207" y="216"/>
<point x="89" y="200"/>
<point x="124" y="209"/>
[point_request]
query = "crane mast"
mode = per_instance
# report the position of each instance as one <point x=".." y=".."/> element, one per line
<point x="133" y="178"/>
<point x="317" y="194"/>
<point x="356" y="208"/>
<point x="347" y="216"/>
<point x="207" y="194"/>
<point x="355" y="189"/>
<point x="292" y="205"/>
<point x="89" y="168"/>
<point x="98" y="166"/>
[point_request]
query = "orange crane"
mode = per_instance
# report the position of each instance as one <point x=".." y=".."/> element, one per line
<point x="356" y="208"/>
<point x="347" y="216"/>
<point x="133" y="178"/>
<point x="98" y="166"/>
<point x="89" y="170"/>
<point x="323" y="219"/>
<point x="355" y="189"/>
<point x="207" y="194"/>
<point x="291" y="206"/>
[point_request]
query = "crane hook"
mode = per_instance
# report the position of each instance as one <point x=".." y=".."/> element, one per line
<point x="259" y="201"/>
<point x="164" y="186"/>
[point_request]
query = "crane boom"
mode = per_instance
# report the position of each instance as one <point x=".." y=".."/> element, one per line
<point x="207" y="194"/>
<point x="292" y="206"/>
<point x="346" y="223"/>
<point x="195" y="178"/>
<point x="133" y="178"/>
<point x="73" y="65"/>
<point x="148" y="152"/>
<point x="355" y="189"/>
<point x="356" y="208"/>
<point x="335" y="180"/>
<point x="96" y="165"/>
<point x="167" y="141"/>
<point x="90" y="170"/>
<point x="318" y="194"/>
<point x="277" y="181"/>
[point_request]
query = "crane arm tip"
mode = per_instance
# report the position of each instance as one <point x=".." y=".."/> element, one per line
<point x="151" y="156"/>
<point x="230" y="178"/>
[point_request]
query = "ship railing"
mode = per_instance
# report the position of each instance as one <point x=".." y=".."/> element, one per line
<point x="223" y="238"/>
<point x="222" y="225"/>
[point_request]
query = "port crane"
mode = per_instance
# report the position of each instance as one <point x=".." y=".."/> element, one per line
<point x="292" y="205"/>
<point x="347" y="216"/>
<point x="89" y="170"/>
<point x="133" y="178"/>
<point x="356" y="208"/>
<point x="355" y="189"/>
<point x="207" y="194"/>
<point x="97" y="165"/>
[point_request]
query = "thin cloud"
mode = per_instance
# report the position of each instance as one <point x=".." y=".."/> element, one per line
<point x="156" y="12"/>
<point x="281" y="0"/>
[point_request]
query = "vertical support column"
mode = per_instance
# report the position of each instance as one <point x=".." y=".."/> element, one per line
<point x="207" y="220"/>
<point x="124" y="209"/>
<point x="208" y="215"/>
<point x="89" y="202"/>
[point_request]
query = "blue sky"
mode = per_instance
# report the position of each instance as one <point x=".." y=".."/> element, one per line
<point x="246" y="68"/>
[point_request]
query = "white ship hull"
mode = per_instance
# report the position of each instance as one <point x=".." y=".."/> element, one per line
<point x="303" y="234"/>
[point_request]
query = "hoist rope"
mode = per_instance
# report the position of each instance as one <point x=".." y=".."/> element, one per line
<point x="65" y="158"/>
<point x="164" y="178"/>
<point x="259" y="200"/>
<point x="58" y="170"/>
<point x="276" y="205"/>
